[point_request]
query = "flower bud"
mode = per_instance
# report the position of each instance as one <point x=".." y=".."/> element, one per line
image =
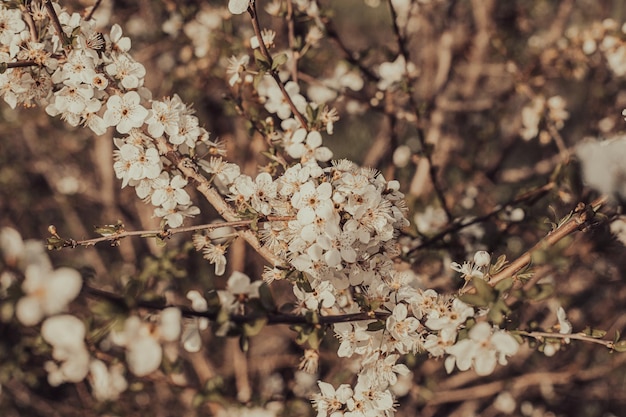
<point x="482" y="258"/>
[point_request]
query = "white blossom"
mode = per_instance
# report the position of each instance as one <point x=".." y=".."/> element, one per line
<point x="125" y="112"/>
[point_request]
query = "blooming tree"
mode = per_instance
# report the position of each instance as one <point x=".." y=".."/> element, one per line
<point x="357" y="258"/>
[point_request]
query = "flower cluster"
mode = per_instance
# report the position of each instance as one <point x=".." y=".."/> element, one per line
<point x="97" y="84"/>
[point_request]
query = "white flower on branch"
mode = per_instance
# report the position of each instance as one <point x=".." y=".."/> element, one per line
<point x="322" y="296"/>
<point x="189" y="130"/>
<point x="236" y="68"/>
<point x="164" y="117"/>
<point x="354" y="337"/>
<point x="276" y="101"/>
<point x="603" y="165"/>
<point x="483" y="349"/>
<point x="125" y="112"/>
<point x="142" y="340"/>
<point x="169" y="192"/>
<point x="129" y="72"/>
<point x="216" y="254"/>
<point x="119" y="43"/>
<point x="11" y="23"/>
<point x="133" y="162"/>
<point x="268" y="39"/>
<point x="239" y="289"/>
<point x="175" y="215"/>
<point x="14" y="86"/>
<point x="330" y="401"/>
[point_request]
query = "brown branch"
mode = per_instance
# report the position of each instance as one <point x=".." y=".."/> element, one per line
<point x="189" y="169"/>
<point x="93" y="10"/>
<point x="21" y="64"/>
<point x="30" y="22"/>
<point x="56" y="23"/>
<point x="273" y="318"/>
<point x="404" y="51"/>
<point x="353" y="58"/>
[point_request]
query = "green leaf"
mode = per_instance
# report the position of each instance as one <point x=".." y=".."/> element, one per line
<point x="261" y="61"/>
<point x="376" y="326"/>
<point x="474" y="300"/>
<point x="316" y="337"/>
<point x="54" y="243"/>
<point x="257" y="79"/>
<point x="303" y="334"/>
<point x="498" y="265"/>
<point x="484" y="290"/>
<point x="620" y="346"/>
<point x="266" y="297"/>
<point x="595" y="333"/>
<point x="617" y="336"/>
<point x="244" y="343"/>
<point x="279" y="60"/>
<point x="311" y="113"/>
<point x="304" y="284"/>
<point x="504" y="285"/>
<point x="109" y="229"/>
<point x="497" y="313"/>
<point x="540" y="292"/>
<point x="198" y="400"/>
<point x="253" y="328"/>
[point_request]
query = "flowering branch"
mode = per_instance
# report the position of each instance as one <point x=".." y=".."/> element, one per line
<point x="190" y="169"/>
<point x="582" y="215"/>
<point x="56" y="23"/>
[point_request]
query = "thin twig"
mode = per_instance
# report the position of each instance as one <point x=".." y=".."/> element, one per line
<point x="529" y="196"/>
<point x="22" y="64"/>
<point x="582" y="215"/>
<point x="93" y="10"/>
<point x="353" y="58"/>
<point x="166" y="233"/>
<point x="266" y="54"/>
<point x="541" y="336"/>
<point x="56" y="23"/>
<point x="292" y="41"/>
<point x="404" y="51"/>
